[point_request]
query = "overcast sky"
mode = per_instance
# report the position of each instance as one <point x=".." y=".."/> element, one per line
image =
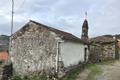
<point x="67" y="15"/>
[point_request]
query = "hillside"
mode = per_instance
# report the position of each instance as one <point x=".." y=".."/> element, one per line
<point x="4" y="42"/>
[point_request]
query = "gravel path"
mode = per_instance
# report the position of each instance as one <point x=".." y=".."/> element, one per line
<point x="109" y="72"/>
<point x="83" y="75"/>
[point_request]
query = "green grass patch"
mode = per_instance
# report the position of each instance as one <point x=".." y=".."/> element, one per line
<point x="42" y="77"/>
<point x="73" y="73"/>
<point x="94" y="71"/>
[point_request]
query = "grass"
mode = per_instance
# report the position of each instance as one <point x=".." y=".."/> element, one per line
<point x="95" y="70"/>
<point x="109" y="62"/>
<point x="73" y="74"/>
<point x="42" y="77"/>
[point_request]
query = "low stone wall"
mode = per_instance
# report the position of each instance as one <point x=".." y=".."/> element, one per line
<point x="102" y="52"/>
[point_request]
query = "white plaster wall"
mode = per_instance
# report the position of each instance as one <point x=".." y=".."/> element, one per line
<point x="72" y="53"/>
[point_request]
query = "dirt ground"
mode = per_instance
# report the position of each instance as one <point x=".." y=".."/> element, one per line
<point x="109" y="72"/>
<point x="83" y="75"/>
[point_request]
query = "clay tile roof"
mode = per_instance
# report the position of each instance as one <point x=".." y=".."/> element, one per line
<point x="62" y="34"/>
<point x="3" y="56"/>
<point x="102" y="39"/>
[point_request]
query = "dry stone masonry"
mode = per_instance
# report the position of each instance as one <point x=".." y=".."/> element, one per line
<point x="33" y="51"/>
<point x="40" y="49"/>
<point x="102" y="48"/>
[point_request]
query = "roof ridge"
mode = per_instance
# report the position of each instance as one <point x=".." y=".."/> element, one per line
<point x="64" y="35"/>
<point x="48" y="26"/>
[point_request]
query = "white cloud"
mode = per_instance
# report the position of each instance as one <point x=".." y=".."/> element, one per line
<point x="68" y="15"/>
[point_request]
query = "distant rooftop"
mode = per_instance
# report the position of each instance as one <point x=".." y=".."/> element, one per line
<point x="103" y="39"/>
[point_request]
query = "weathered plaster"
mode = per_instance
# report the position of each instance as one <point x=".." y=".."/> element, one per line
<point x="72" y="53"/>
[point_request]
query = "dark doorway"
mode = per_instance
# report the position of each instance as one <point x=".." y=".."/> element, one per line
<point x="85" y="55"/>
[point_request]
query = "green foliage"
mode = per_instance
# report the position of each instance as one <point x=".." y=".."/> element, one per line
<point x="42" y="77"/>
<point x="94" y="70"/>
<point x="4" y="37"/>
<point x="73" y="74"/>
<point x="107" y="62"/>
<point x="4" y="40"/>
<point x="16" y="78"/>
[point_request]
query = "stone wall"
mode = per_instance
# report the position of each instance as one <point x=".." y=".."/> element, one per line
<point x="33" y="50"/>
<point x="109" y="51"/>
<point x="102" y="52"/>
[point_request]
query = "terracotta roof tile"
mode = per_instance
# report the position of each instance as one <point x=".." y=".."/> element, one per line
<point x="3" y="56"/>
<point x="102" y="39"/>
<point x="64" y="35"/>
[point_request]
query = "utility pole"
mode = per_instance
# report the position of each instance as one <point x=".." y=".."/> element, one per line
<point x="12" y="17"/>
<point x="12" y="21"/>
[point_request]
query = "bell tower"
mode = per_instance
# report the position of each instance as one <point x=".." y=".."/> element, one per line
<point x="85" y="28"/>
